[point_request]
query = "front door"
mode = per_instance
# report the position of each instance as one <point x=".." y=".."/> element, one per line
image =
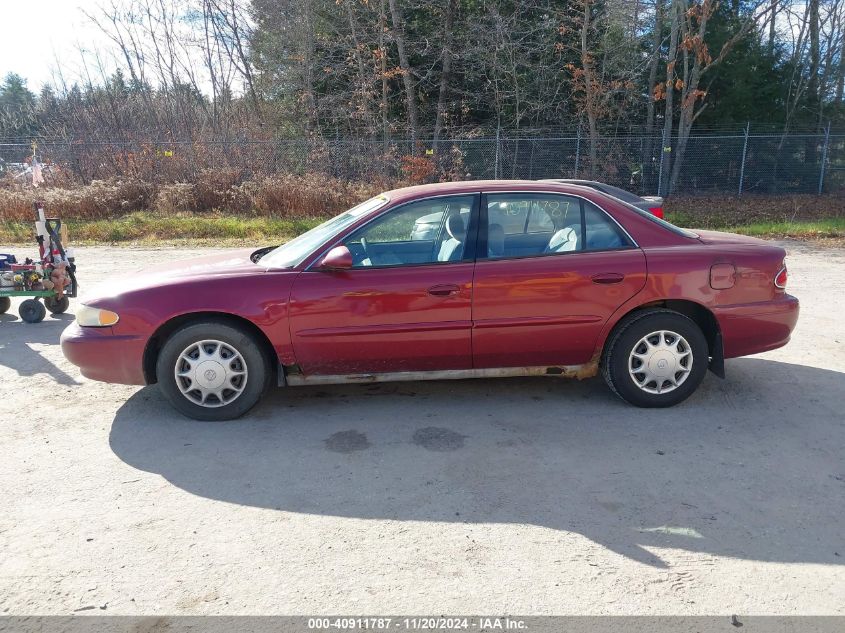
<point x="405" y="305"/>
<point x="552" y="271"/>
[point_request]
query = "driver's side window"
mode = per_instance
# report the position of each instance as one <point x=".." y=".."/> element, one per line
<point x="422" y="232"/>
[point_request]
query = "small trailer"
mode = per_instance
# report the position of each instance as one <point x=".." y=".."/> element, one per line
<point x="51" y="278"/>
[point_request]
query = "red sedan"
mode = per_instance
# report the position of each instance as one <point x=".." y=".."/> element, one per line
<point x="456" y="280"/>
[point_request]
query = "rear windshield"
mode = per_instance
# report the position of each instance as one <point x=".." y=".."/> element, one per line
<point x="616" y="192"/>
<point x="653" y="218"/>
<point x="622" y="194"/>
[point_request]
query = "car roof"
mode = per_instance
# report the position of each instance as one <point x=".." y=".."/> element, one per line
<point x="472" y="186"/>
<point x="574" y="181"/>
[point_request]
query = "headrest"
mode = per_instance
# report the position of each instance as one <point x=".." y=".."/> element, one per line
<point x="455" y="226"/>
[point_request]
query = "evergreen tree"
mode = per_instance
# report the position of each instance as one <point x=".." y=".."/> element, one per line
<point x="17" y="108"/>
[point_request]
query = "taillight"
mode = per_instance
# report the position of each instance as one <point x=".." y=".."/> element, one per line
<point x="657" y="212"/>
<point x="780" y="278"/>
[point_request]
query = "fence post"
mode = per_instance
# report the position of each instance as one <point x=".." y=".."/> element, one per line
<point x="824" y="157"/>
<point x="660" y="167"/>
<point x="531" y="162"/>
<point x="496" y="163"/>
<point x="744" y="151"/>
<point x="577" y="151"/>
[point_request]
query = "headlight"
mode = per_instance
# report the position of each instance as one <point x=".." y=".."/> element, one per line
<point x="86" y="316"/>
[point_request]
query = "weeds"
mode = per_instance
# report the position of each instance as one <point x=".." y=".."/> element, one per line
<point x="726" y="211"/>
<point x="233" y="205"/>
<point x="809" y="229"/>
<point x="284" y="196"/>
<point x="145" y="226"/>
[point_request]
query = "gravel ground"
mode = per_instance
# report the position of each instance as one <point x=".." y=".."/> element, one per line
<point x="530" y="496"/>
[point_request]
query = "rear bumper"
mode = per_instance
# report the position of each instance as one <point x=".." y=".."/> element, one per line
<point x="103" y="355"/>
<point x="757" y="327"/>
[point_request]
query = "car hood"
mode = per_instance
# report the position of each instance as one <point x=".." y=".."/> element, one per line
<point x="229" y="264"/>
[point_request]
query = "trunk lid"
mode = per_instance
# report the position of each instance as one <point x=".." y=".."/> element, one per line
<point x="729" y="239"/>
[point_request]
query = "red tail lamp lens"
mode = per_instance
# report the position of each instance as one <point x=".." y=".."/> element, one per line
<point x="657" y="212"/>
<point x="781" y="277"/>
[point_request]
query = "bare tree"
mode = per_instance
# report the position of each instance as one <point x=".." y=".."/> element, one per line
<point x="446" y="68"/>
<point x="398" y="36"/>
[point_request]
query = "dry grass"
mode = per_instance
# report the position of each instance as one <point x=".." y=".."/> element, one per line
<point x="231" y="205"/>
<point x="144" y="226"/>
<point x="296" y="197"/>
<point x="100" y="199"/>
<point x="216" y="229"/>
<point x="829" y="228"/>
<point x="726" y="211"/>
<point x="284" y="196"/>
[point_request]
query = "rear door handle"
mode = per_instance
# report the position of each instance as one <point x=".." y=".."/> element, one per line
<point x="444" y="290"/>
<point x="608" y="278"/>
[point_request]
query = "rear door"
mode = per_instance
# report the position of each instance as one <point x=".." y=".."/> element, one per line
<point x="544" y="288"/>
<point x="405" y="305"/>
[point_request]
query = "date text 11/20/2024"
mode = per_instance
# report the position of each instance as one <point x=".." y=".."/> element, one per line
<point x="418" y="623"/>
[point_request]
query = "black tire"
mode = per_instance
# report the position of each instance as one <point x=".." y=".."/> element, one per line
<point x="32" y="311"/>
<point x="258" y="366"/>
<point x="627" y="335"/>
<point x="56" y="305"/>
<point x="5" y="304"/>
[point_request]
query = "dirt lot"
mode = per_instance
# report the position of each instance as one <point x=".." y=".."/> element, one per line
<point x="518" y="496"/>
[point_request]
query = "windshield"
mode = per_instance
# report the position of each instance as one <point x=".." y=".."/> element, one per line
<point x="293" y="253"/>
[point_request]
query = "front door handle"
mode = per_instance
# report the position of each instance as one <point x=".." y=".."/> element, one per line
<point x="608" y="278"/>
<point x="444" y="290"/>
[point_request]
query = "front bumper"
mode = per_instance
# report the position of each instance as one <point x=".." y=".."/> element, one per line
<point x="757" y="327"/>
<point x="103" y="355"/>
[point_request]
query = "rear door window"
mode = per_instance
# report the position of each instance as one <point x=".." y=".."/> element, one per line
<point x="601" y="233"/>
<point x="532" y="225"/>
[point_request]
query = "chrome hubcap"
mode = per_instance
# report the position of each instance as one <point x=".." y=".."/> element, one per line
<point x="660" y="362"/>
<point x="210" y="373"/>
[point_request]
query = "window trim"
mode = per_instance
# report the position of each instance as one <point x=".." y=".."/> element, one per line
<point x="469" y="246"/>
<point x="484" y="224"/>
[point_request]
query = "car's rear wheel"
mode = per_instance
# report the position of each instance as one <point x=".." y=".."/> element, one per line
<point x="213" y="371"/>
<point x="5" y="304"/>
<point x="655" y="358"/>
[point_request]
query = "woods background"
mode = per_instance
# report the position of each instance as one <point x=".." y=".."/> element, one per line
<point x="672" y="96"/>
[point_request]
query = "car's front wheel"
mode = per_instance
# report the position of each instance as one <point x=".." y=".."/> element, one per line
<point x="213" y="371"/>
<point x="656" y="358"/>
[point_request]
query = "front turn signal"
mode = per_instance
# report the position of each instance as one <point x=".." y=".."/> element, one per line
<point x="86" y="316"/>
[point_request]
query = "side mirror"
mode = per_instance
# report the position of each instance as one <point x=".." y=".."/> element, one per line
<point x="339" y="258"/>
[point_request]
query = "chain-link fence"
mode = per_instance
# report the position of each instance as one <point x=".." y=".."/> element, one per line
<point x="725" y="163"/>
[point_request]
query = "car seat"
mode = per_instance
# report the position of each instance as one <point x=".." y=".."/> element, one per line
<point x="452" y="249"/>
<point x="495" y="241"/>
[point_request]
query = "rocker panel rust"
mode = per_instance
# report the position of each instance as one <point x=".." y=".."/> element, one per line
<point x="580" y="372"/>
